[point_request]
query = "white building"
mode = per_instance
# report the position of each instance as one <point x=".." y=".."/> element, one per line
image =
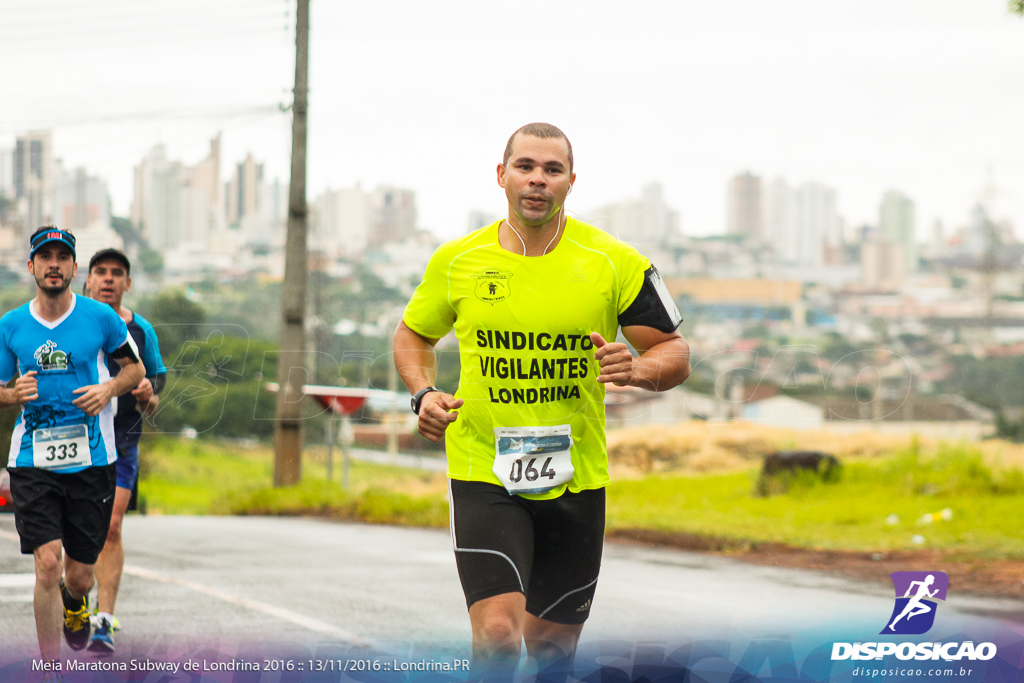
<point x="242" y="192"/>
<point x="176" y="205"/>
<point x="979" y="235"/>
<point x="201" y="199"/>
<point x="156" y="202"/>
<point x="780" y="217"/>
<point x="784" y="412"/>
<point x="817" y="222"/>
<point x="802" y="222"/>
<point x="256" y="210"/>
<point x="648" y="223"/>
<point x="341" y="223"/>
<point x="394" y="215"/>
<point x="7" y="173"/>
<point x="349" y="222"/>
<point x="80" y="200"/>
<point x="33" y="177"/>
<point x="268" y="225"/>
<point x="896" y="222"/>
<point x="745" y="207"/>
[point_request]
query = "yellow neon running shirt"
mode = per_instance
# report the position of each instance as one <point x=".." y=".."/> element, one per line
<point x="523" y="326"/>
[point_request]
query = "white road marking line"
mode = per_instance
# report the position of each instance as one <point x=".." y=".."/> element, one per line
<point x="299" y="619"/>
<point x="309" y="623"/>
<point x="17" y="580"/>
<point x="17" y="598"/>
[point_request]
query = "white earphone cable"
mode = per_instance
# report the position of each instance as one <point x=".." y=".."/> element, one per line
<point x="561" y="213"/>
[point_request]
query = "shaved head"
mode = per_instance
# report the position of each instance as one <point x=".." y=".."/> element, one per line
<point x="538" y="130"/>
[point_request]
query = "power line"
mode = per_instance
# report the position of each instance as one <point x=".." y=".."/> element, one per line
<point x="120" y="34"/>
<point x="107" y="41"/>
<point x="159" y="115"/>
<point x="169" y="20"/>
<point x="41" y="9"/>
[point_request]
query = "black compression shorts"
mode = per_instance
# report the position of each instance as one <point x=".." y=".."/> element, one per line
<point x="73" y="508"/>
<point x="549" y="550"/>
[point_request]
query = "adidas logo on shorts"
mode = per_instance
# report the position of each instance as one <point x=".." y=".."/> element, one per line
<point x="584" y="607"/>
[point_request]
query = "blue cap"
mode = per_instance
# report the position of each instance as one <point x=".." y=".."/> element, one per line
<point x="53" y="235"/>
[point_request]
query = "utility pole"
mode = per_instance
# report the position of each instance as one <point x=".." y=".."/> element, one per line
<point x="291" y="370"/>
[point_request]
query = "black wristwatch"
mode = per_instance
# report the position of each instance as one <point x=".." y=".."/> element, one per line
<point x="417" y="398"/>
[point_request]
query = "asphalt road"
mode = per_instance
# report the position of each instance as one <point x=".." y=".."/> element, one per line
<point x="224" y="584"/>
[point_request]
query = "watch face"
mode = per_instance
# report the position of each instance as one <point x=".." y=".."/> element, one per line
<point x="418" y="398"/>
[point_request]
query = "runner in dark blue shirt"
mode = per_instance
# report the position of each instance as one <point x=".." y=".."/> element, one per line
<point x="109" y="278"/>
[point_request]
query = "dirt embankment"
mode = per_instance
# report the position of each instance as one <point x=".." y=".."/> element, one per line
<point x="994" y="578"/>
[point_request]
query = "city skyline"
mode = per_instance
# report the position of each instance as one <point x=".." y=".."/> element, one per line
<point x="862" y="97"/>
<point x="798" y="222"/>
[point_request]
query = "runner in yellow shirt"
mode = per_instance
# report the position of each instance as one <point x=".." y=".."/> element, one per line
<point x="536" y="302"/>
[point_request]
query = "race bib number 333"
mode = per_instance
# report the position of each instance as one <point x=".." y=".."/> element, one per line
<point x="61" y="447"/>
<point x="533" y="459"/>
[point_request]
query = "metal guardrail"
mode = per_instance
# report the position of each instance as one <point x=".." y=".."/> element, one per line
<point x="422" y="462"/>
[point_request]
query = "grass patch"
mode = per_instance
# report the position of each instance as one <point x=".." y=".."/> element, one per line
<point x="880" y="502"/>
<point x="952" y="471"/>
<point x="877" y="505"/>
<point x="205" y="477"/>
<point x="374" y="505"/>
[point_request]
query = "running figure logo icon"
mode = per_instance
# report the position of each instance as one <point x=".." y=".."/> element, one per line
<point x="916" y="592"/>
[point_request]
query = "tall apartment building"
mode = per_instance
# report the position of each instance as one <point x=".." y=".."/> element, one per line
<point x="349" y="222"/>
<point x="802" y="222"/>
<point x="271" y="226"/>
<point x="896" y="223"/>
<point x="154" y="209"/>
<point x="7" y="173"/>
<point x="780" y="215"/>
<point x="243" y="190"/>
<point x="394" y="215"/>
<point x="255" y="208"/>
<point x="174" y="204"/>
<point x="80" y="200"/>
<point x="202" y="197"/>
<point x="649" y="222"/>
<point x="817" y="223"/>
<point x="341" y="223"/>
<point x="33" y="176"/>
<point x="745" y="207"/>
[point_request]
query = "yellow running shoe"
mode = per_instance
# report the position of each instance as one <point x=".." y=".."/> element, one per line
<point x="76" y="620"/>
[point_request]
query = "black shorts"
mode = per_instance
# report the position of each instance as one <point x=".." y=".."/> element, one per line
<point x="549" y="550"/>
<point x="73" y="508"/>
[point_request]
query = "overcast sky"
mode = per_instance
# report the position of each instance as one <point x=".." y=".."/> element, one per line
<point x="924" y="96"/>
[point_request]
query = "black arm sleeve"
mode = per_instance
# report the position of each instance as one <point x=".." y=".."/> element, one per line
<point x="653" y="305"/>
<point x="125" y="351"/>
<point x="159" y="382"/>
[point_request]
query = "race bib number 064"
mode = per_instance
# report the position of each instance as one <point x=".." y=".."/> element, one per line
<point x="61" y="447"/>
<point x="533" y="459"/>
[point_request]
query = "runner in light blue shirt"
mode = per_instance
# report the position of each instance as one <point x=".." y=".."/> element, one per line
<point x="62" y="450"/>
